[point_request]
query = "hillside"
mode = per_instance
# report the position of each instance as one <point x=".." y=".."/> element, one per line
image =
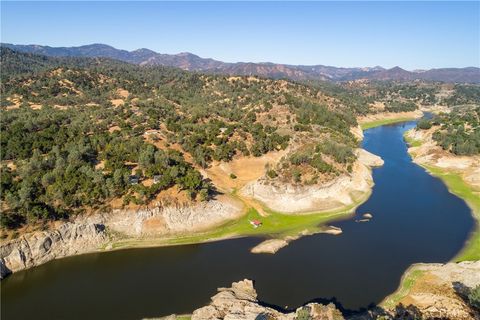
<point x="82" y="135"/>
<point x="88" y="134"/>
<point x="189" y="61"/>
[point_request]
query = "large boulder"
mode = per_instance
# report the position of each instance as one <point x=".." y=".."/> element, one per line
<point x="239" y="302"/>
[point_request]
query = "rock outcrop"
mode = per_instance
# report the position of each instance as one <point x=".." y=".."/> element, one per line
<point x="273" y="245"/>
<point x="270" y="246"/>
<point x="88" y="233"/>
<point x="240" y="302"/>
<point x="170" y="220"/>
<point x="357" y="132"/>
<point x="344" y="191"/>
<point x="39" y="247"/>
<point x="440" y="292"/>
<point x="368" y="158"/>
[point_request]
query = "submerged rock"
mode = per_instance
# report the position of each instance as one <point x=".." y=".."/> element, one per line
<point x="269" y="246"/>
<point x="273" y="245"/>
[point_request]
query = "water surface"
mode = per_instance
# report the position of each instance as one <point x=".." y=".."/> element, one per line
<point x="415" y="220"/>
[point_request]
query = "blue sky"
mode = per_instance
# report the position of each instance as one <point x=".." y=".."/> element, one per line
<point x="413" y="35"/>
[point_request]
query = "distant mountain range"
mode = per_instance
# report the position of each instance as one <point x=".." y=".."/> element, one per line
<point x="189" y="61"/>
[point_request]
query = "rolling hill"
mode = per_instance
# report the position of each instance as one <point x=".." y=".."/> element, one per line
<point x="192" y="62"/>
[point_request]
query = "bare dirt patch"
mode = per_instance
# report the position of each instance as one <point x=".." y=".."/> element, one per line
<point x="246" y="169"/>
<point x="117" y="102"/>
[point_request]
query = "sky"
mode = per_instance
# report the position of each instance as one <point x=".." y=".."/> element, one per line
<point x="413" y="35"/>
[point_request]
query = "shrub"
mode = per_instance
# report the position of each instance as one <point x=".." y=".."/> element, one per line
<point x="271" y="173"/>
<point x="474" y="297"/>
<point x="11" y="221"/>
<point x="303" y="314"/>
<point x="424" y="124"/>
<point x="297" y="175"/>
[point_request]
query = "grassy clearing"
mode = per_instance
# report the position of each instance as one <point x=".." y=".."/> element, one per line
<point x="411" y="142"/>
<point x="378" y="123"/>
<point x="275" y="224"/>
<point x="406" y="284"/>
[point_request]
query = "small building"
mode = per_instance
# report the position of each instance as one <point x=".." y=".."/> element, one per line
<point x="256" y="223"/>
<point x="156" y="178"/>
<point x="133" y="179"/>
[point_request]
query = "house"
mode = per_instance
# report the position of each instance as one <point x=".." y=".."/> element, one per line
<point x="256" y="223"/>
<point x="133" y="179"/>
<point x="156" y="178"/>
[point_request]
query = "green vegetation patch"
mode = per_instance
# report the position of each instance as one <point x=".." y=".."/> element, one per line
<point x="411" y="142"/>
<point x="378" y="123"/>
<point x="275" y="225"/>
<point x="460" y="188"/>
<point x="406" y="284"/>
<point x="457" y="132"/>
<point x="457" y="186"/>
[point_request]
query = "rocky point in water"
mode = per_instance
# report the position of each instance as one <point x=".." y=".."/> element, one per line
<point x="240" y="302"/>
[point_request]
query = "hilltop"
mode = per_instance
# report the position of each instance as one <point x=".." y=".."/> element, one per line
<point x="192" y="62"/>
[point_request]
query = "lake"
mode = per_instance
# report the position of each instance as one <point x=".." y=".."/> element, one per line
<point x="415" y="219"/>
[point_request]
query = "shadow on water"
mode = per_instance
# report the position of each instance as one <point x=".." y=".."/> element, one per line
<point x="415" y="219"/>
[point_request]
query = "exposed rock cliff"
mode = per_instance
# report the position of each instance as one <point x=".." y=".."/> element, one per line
<point x="39" y="247"/>
<point x="240" y="303"/>
<point x="87" y="234"/>
<point x="344" y="191"/>
<point x="171" y="220"/>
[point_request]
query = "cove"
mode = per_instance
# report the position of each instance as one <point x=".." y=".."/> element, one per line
<point x="415" y="219"/>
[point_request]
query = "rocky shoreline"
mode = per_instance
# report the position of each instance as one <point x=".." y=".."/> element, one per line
<point x="240" y="302"/>
<point x="439" y="291"/>
<point x="434" y="294"/>
<point x="441" y="295"/>
<point x="344" y="191"/>
<point x="93" y="233"/>
<point x="429" y="153"/>
<point x="461" y="174"/>
<point x="36" y="248"/>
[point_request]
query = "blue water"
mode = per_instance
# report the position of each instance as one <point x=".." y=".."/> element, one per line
<point x="415" y="219"/>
